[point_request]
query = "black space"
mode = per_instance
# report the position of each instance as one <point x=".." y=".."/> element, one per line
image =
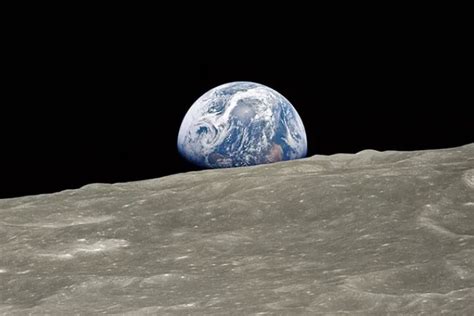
<point x="108" y="108"/>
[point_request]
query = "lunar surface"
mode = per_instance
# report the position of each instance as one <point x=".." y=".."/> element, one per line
<point x="241" y="124"/>
<point x="370" y="233"/>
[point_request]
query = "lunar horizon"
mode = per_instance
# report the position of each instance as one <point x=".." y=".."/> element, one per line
<point x="371" y="233"/>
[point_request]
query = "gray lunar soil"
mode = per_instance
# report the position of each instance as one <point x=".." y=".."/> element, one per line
<point x="370" y="233"/>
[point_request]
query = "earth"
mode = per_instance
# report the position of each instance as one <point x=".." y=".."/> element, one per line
<point x="241" y="124"/>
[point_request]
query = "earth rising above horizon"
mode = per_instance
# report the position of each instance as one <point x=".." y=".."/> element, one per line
<point x="241" y="124"/>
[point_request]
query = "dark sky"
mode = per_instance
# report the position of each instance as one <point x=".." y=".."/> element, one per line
<point x="108" y="109"/>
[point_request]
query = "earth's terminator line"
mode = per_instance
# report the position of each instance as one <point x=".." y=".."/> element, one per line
<point x="241" y="124"/>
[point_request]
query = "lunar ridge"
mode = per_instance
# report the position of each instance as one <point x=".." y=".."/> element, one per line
<point x="367" y="233"/>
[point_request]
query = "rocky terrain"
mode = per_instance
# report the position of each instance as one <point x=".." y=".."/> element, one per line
<point x="370" y="233"/>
